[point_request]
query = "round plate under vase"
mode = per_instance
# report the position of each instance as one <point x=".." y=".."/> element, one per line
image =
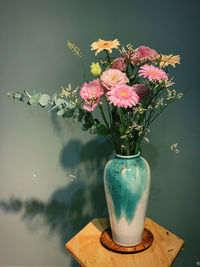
<point x="107" y="242"/>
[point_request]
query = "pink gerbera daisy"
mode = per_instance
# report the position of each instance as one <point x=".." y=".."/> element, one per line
<point x="122" y="95"/>
<point x="153" y="73"/>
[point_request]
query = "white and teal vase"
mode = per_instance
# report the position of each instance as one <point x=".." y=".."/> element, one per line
<point x="127" y="184"/>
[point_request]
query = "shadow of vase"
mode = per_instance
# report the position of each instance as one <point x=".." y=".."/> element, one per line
<point x="71" y="207"/>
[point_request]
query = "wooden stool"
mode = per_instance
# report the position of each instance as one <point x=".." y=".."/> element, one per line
<point x="87" y="249"/>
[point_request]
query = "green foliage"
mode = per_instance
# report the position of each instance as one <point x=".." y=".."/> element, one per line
<point x="19" y="96"/>
<point x="44" y="100"/>
<point x="68" y="113"/>
<point x="88" y="121"/>
<point x="101" y="129"/>
<point x="34" y="100"/>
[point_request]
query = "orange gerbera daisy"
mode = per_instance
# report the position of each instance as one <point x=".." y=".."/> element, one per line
<point x="104" y="45"/>
<point x="169" y="60"/>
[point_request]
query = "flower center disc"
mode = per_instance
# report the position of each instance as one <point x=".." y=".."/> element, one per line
<point x="154" y="72"/>
<point x="123" y="93"/>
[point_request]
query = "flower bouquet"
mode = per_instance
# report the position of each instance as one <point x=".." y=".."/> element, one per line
<point x="131" y="88"/>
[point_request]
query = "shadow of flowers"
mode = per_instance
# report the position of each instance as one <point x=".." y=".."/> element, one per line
<point x="71" y="207"/>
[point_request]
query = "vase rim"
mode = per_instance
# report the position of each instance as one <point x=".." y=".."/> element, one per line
<point x="128" y="157"/>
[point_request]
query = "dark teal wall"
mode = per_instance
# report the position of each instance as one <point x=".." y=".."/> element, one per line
<point x="39" y="152"/>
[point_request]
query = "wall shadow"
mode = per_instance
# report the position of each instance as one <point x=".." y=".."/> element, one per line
<point x="71" y="207"/>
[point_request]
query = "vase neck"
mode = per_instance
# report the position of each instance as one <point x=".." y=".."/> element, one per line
<point x="128" y="157"/>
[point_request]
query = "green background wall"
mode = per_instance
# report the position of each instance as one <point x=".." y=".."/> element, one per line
<point x="42" y="205"/>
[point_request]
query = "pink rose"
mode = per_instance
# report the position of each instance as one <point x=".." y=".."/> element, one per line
<point x="119" y="64"/>
<point x="143" y="52"/>
<point x="111" y="77"/>
<point x="91" y="93"/>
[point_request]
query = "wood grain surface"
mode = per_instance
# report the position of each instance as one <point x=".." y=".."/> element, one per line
<point x="107" y="242"/>
<point x="89" y="252"/>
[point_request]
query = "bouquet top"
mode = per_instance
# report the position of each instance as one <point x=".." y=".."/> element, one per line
<point x="130" y="90"/>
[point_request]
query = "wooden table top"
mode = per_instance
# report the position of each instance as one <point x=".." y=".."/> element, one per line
<point x="88" y="251"/>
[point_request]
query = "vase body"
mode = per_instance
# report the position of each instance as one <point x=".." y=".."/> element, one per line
<point x="127" y="184"/>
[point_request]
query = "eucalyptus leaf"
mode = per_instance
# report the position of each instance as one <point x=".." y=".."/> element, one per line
<point x="54" y="97"/>
<point x="34" y="100"/>
<point x="68" y="113"/>
<point x="44" y="100"/>
<point x="69" y="105"/>
<point x="19" y="96"/>
<point x="27" y="93"/>
<point x="60" y="102"/>
<point x="60" y="112"/>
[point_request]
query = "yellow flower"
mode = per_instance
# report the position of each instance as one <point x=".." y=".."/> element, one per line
<point x="169" y="60"/>
<point x="95" y="69"/>
<point x="104" y="45"/>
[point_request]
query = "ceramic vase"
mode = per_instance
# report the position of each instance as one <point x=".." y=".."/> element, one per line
<point x="127" y="184"/>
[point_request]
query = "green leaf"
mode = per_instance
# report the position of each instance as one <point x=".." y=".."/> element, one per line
<point x="60" y="112"/>
<point x="27" y="94"/>
<point x="60" y="102"/>
<point x="19" y="96"/>
<point x="68" y="113"/>
<point x="44" y="100"/>
<point x="54" y="97"/>
<point x="101" y="129"/>
<point x="115" y="126"/>
<point x="81" y="114"/>
<point x="93" y="129"/>
<point x="69" y="105"/>
<point x="85" y="127"/>
<point x="34" y="100"/>
<point x="122" y="130"/>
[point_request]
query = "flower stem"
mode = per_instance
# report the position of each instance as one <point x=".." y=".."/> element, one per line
<point x="107" y="125"/>
<point x="121" y="115"/>
<point x="137" y="146"/>
<point x="108" y="57"/>
<point x="83" y="69"/>
<point x="108" y="106"/>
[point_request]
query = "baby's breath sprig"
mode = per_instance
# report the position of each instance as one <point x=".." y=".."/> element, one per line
<point x="174" y="148"/>
<point x="77" y="52"/>
<point x="130" y="48"/>
<point x="169" y="83"/>
<point x="139" y="110"/>
<point x="69" y="94"/>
